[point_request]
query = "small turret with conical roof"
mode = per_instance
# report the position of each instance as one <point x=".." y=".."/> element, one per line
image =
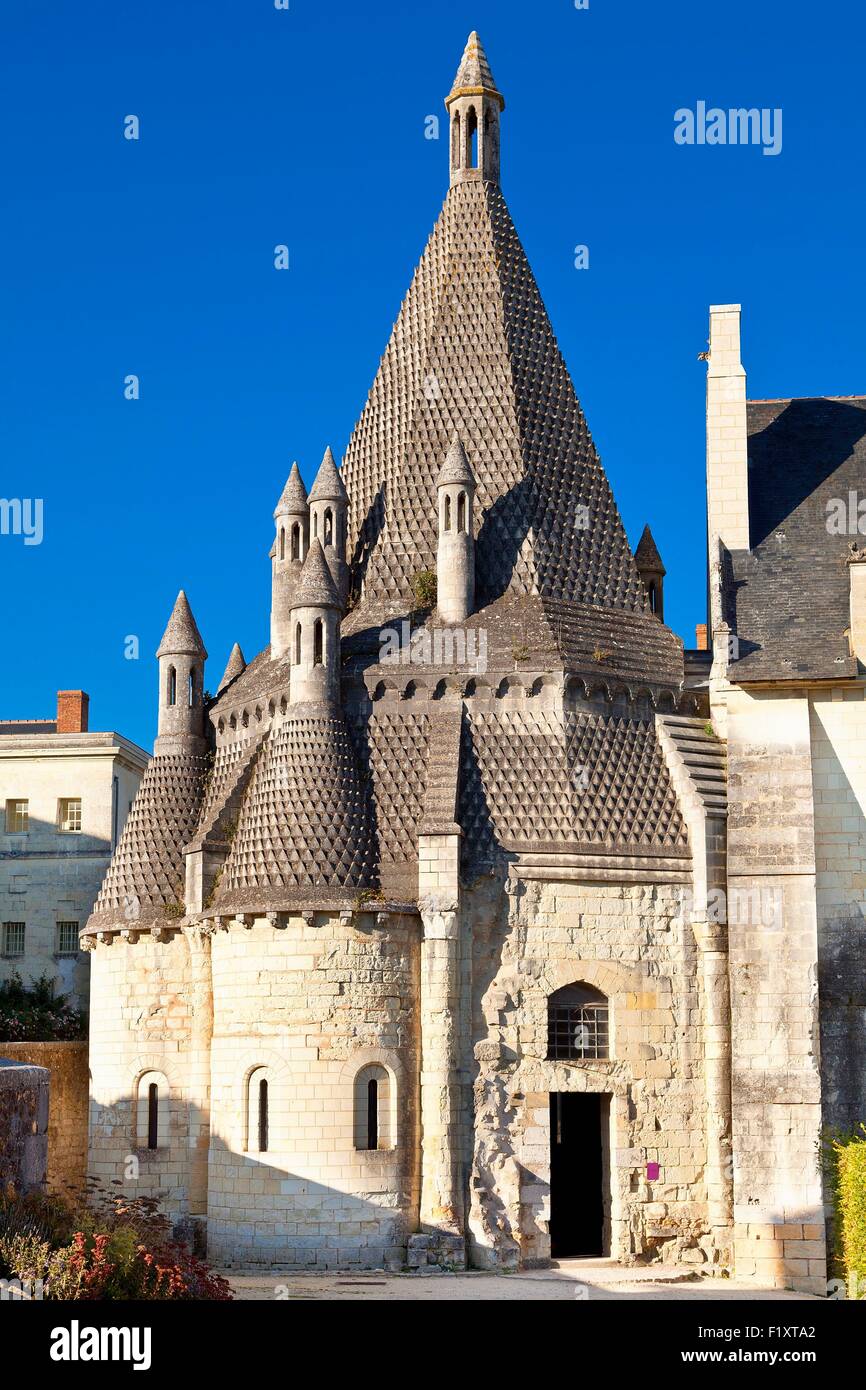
<point x="651" y="571"/>
<point x="292" y="518"/>
<point x="181" y="655"/>
<point x="235" y="666"/>
<point x="455" y="556"/>
<point x="329" y="505"/>
<point x="474" y="105"/>
<point x="315" y="674"/>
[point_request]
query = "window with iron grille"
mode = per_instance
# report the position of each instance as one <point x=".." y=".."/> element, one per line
<point x="17" y="817"/>
<point x="577" y="1024"/>
<point x="13" y="938"/>
<point x="70" y="813"/>
<point x="67" y="939"/>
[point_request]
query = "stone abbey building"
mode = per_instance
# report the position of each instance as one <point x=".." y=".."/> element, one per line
<point x="474" y="921"/>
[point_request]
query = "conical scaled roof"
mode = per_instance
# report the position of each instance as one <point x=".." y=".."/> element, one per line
<point x="473" y="75"/>
<point x="316" y="588"/>
<point x="293" y="498"/>
<point x="647" y="554"/>
<point x="455" y="469"/>
<point x="182" y="637"/>
<point x="236" y="664"/>
<point x="473" y="353"/>
<point x="328" y="486"/>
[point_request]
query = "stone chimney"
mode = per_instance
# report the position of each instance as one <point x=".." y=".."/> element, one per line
<point x="72" y="711"/>
<point x="727" y="464"/>
<point x="857" y="591"/>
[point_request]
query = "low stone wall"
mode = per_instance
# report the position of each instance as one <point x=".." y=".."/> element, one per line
<point x="66" y="1063"/>
<point x="23" y="1125"/>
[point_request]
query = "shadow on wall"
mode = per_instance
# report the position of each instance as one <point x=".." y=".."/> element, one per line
<point x="840" y="831"/>
<point x="261" y="1211"/>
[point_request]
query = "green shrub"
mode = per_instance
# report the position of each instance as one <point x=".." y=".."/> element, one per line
<point x="35" y="1013"/>
<point x="849" y="1201"/>
<point x="424" y="588"/>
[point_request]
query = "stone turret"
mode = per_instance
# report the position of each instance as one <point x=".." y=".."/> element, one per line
<point x="181" y="657"/>
<point x="235" y="667"/>
<point x="455" y="557"/>
<point x="651" y="571"/>
<point x="292" y="517"/>
<point x="315" y="642"/>
<point x="474" y="105"/>
<point x="329" y="505"/>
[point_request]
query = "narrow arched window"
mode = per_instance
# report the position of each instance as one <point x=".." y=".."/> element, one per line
<point x="297" y="644"/>
<point x="372" y="1113"/>
<point x="328" y="527"/>
<point x="577" y="1024"/>
<point x="296" y="541"/>
<point x="318" y="643"/>
<point x="461" y="512"/>
<point x="652" y="595"/>
<point x="151" y="1118"/>
<point x="191" y="689"/>
<point x="472" y="139"/>
<point x="257" y="1104"/>
<point x="315" y="524"/>
<point x="263" y="1115"/>
<point x="282" y="542"/>
<point x="455" y="141"/>
<point x="373" y="1109"/>
<point x="172" y="686"/>
<point x="447" y="512"/>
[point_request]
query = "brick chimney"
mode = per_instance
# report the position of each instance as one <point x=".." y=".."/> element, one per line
<point x="701" y="640"/>
<point x="72" y="707"/>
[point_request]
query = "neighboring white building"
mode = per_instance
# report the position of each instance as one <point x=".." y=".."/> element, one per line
<point x="64" y="798"/>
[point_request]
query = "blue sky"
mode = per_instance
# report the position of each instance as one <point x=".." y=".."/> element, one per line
<point x="306" y="127"/>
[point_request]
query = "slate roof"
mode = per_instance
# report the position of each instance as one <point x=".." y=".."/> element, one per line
<point x="787" y="598"/>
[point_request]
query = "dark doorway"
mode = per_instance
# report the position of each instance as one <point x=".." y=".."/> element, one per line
<point x="577" y="1174"/>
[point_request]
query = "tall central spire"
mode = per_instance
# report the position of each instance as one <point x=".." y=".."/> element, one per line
<point x="474" y="105"/>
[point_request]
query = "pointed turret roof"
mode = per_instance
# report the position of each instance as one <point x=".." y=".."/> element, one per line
<point x="293" y="498"/>
<point x="647" y="556"/>
<point x="182" y="637"/>
<point x="328" y="486"/>
<point x="456" y="467"/>
<point x="236" y="664"/>
<point x="316" y="588"/>
<point x="474" y="77"/>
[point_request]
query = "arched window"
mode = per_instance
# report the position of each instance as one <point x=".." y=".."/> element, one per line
<point x="172" y="686"/>
<point x="191" y="689"/>
<point x="455" y="141"/>
<point x="328" y="527"/>
<point x="577" y="1024"/>
<point x="373" y="1119"/>
<point x="461" y="512"/>
<point x="447" y="522"/>
<point x="653" y="600"/>
<point x="318" y="643"/>
<point x="315" y="524"/>
<point x="151" y="1121"/>
<point x="282" y="542"/>
<point x="472" y="139"/>
<point x="258" y="1116"/>
<point x="297" y="644"/>
<point x="296" y="541"/>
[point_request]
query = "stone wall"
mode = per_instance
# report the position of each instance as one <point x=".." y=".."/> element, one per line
<point x="23" y="1126"/>
<point x="632" y="943"/>
<point x="312" y="1005"/>
<point x="66" y="1064"/>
